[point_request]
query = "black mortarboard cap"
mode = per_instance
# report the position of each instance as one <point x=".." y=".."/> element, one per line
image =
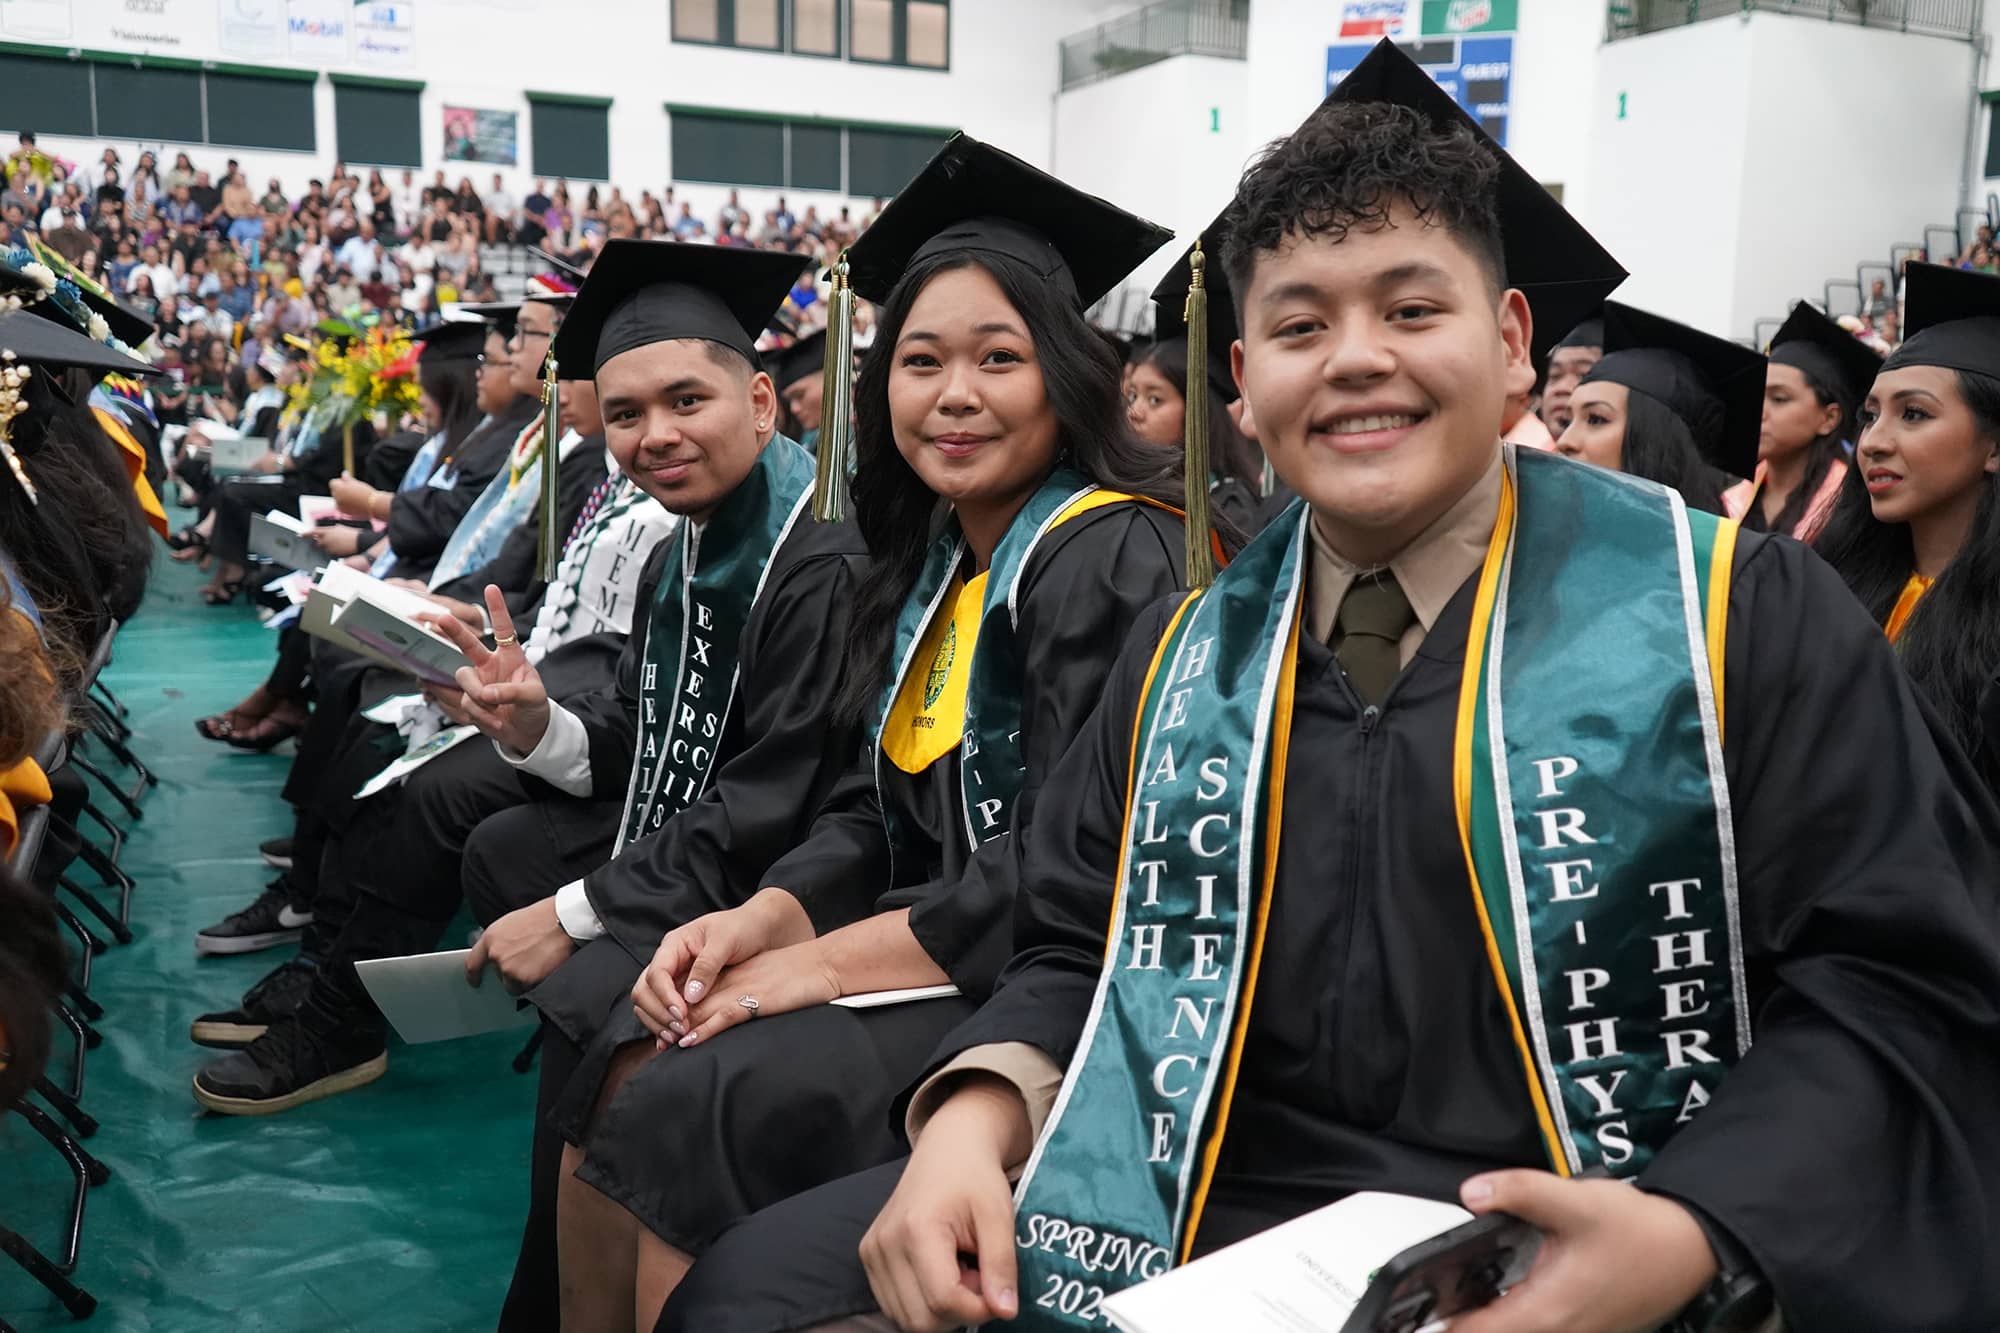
<point x="644" y="292"/>
<point x="1713" y="385"/>
<point x="53" y="344"/>
<point x="499" y="314"/>
<point x="1559" y="267"/>
<point x="973" y="197"/>
<point x="805" y="357"/>
<point x="1951" y="318"/>
<point x="1170" y="305"/>
<point x="1838" y="360"/>
<point x="1590" y="333"/>
<point x="452" y="340"/>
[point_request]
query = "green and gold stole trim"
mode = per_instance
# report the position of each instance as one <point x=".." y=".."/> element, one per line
<point x="1595" y="818"/>
<point x="709" y="584"/>
<point x="991" y="770"/>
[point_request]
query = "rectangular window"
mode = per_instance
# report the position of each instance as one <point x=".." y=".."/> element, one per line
<point x="871" y="32"/>
<point x="245" y="111"/>
<point x="571" y="136"/>
<point x="928" y="40"/>
<point x="148" y="103"/>
<point x="816" y="27"/>
<point x="1992" y="139"/>
<point x="697" y="20"/>
<point x="728" y="150"/>
<point x="756" y="25"/>
<point x="49" y="94"/>
<point x="816" y="158"/>
<point x="881" y="162"/>
<point x="377" y="122"/>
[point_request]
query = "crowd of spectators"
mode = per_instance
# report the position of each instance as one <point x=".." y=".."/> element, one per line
<point x="224" y="270"/>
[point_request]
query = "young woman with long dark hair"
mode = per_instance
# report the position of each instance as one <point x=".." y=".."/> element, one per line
<point x="1817" y="377"/>
<point x="1017" y="528"/>
<point x="1916" y="534"/>
<point x="1670" y="404"/>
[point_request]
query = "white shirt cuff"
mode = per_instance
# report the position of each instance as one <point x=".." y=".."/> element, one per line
<point x="562" y="759"/>
<point x="573" y="910"/>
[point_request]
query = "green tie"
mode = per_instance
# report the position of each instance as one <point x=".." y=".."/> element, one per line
<point x="1368" y="634"/>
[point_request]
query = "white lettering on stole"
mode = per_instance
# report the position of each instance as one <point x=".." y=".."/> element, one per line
<point x="1569" y="877"/>
<point x="1206" y="949"/>
<point x="1197" y="1018"/>
<point x="1599" y="1093"/>
<point x="1163" y="1137"/>
<point x="703" y="617"/>
<point x="1558" y="825"/>
<point x="1198" y="843"/>
<point x="1553" y="771"/>
<point x="1177" y="703"/>
<point x="1206" y="883"/>
<point x="1681" y="951"/>
<point x="1582" y="982"/>
<point x="1160" y="1075"/>
<point x="1677" y="891"/>
<point x="1154" y="833"/>
<point x="1696" y="1099"/>
<point x="1214" y="779"/>
<point x="651" y="676"/>
<point x="1688" y="1046"/>
<point x="1194" y="660"/>
<point x="1148" y="944"/>
<point x="1614" y="1141"/>
<point x="694" y="680"/>
<point x="1165" y="770"/>
<point x="989" y="811"/>
<point x="1681" y="998"/>
<point x="1151" y="870"/>
<point x="1593" y="1039"/>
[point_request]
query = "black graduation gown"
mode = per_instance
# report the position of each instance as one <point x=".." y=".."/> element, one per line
<point x="390" y="458"/>
<point x="695" y="1139"/>
<point x="1853" y="1152"/>
<point x="422" y="520"/>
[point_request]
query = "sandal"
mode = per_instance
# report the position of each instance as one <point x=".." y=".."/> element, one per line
<point x="263" y="734"/>
<point x="221" y="594"/>
<point x="187" y="537"/>
<point x="220" y="727"/>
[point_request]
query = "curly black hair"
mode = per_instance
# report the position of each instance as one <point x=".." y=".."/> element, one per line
<point x="1347" y="167"/>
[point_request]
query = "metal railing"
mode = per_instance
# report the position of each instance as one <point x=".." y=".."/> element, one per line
<point x="1934" y="18"/>
<point x="1159" y="31"/>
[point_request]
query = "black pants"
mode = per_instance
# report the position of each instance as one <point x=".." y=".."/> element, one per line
<point x="236" y="500"/>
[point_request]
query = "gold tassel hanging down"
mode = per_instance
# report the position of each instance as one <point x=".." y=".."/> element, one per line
<point x="347" y="448"/>
<point x="1194" y="428"/>
<point x="550" y="550"/>
<point x="836" y="411"/>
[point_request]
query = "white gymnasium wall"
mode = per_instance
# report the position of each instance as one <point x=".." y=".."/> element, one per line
<point x="487" y="53"/>
<point x="1165" y="142"/>
<point x="1801" y="149"/>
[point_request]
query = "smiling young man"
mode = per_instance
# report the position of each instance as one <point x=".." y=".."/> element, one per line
<point x="1425" y="867"/>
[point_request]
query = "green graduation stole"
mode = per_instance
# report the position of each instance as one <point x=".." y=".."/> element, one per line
<point x="1595" y="819"/>
<point x="991" y="769"/>
<point x="710" y="581"/>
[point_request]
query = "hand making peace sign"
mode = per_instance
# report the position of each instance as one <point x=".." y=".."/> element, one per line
<point x="502" y="694"/>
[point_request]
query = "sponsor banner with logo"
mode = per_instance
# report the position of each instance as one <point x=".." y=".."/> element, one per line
<point x="385" y="35"/>
<point x="252" y="27"/>
<point x="1375" y="18"/>
<point x="156" y="25"/>
<point x="1456" y="18"/>
<point x="46" y="19"/>
<point x="316" y="31"/>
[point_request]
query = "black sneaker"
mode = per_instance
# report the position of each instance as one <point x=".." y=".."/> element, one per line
<point x="272" y="920"/>
<point x="277" y="996"/>
<point x="277" y="853"/>
<point x="288" y="1066"/>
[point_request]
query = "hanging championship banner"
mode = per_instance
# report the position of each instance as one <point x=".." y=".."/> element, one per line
<point x="481" y="136"/>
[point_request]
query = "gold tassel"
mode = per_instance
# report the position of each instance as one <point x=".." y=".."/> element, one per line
<point x="1194" y="428"/>
<point x="836" y="410"/>
<point x="551" y="544"/>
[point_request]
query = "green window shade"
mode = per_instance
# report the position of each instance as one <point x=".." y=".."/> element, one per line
<point x="149" y="104"/>
<point x="1992" y="139"/>
<point x="248" y="112"/>
<point x="728" y="150"/>
<point x="815" y="158"/>
<point x="570" y="141"/>
<point x="380" y="127"/>
<point x="881" y="162"/>
<point x="49" y="96"/>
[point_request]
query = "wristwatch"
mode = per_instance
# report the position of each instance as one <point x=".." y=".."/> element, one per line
<point x="1737" y="1300"/>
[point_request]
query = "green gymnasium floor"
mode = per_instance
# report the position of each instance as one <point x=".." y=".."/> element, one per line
<point x="395" y="1208"/>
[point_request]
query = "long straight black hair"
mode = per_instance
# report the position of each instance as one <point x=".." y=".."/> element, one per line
<point x="898" y="514"/>
<point x="1824" y="449"/>
<point x="1659" y="447"/>
<point x="1951" y="647"/>
<point x="454" y="387"/>
<point x="1232" y="455"/>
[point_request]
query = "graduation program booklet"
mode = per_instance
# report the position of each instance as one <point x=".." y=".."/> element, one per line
<point x="1303" y="1276"/>
<point x="280" y="537"/>
<point x="407" y="646"/>
<point x="425" y="997"/>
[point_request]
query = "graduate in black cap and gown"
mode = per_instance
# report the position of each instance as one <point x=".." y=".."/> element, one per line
<point x="800" y="374"/>
<point x="1458" y="840"/>
<point x="1916" y="532"/>
<point x="1569" y="360"/>
<point x="1670" y="404"/>
<point x="1017" y="528"/>
<point x="1813" y="387"/>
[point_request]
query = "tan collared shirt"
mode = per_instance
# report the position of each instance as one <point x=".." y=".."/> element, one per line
<point x="1431" y="569"/>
